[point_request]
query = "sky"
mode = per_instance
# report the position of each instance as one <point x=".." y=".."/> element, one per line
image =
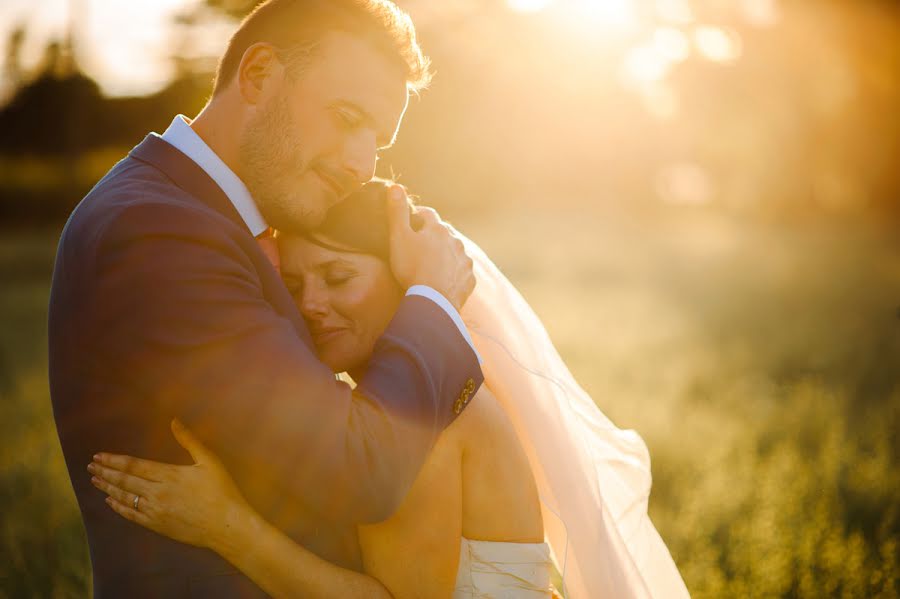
<point x="124" y="44"/>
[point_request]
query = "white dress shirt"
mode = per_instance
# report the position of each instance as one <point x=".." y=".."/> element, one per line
<point x="182" y="137"/>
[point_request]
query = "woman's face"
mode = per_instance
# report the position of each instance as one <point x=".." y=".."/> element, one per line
<point x="346" y="298"/>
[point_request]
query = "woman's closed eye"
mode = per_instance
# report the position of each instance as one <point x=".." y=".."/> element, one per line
<point x="338" y="278"/>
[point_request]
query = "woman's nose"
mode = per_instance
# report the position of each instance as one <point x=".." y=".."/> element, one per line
<point x="313" y="303"/>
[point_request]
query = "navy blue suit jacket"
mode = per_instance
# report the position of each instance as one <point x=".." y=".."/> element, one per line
<point x="164" y="306"/>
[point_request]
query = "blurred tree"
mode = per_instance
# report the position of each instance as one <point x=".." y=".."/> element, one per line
<point x="62" y="112"/>
<point x="12" y="65"/>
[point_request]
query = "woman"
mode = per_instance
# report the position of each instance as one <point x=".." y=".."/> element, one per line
<point x="592" y="478"/>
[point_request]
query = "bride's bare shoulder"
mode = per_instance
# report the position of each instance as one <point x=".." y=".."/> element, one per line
<point x="482" y="416"/>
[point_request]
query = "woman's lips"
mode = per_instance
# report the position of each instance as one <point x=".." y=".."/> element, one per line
<point x="322" y="336"/>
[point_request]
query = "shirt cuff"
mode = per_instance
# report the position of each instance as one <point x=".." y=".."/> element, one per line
<point x="446" y="306"/>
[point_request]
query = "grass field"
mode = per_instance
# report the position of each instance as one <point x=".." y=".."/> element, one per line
<point x="760" y="364"/>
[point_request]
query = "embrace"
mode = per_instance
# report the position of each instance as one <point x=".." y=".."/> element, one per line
<point x="286" y="379"/>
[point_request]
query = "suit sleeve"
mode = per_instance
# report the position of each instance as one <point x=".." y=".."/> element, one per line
<point x="205" y="345"/>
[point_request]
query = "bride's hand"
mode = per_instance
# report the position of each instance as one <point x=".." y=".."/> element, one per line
<point x="198" y="505"/>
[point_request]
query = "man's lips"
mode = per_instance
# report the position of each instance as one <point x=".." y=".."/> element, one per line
<point x="326" y="334"/>
<point x="331" y="183"/>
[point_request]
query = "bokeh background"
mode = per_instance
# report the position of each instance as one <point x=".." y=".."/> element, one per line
<point x="701" y="198"/>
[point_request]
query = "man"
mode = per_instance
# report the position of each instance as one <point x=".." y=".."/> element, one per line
<point x="164" y="304"/>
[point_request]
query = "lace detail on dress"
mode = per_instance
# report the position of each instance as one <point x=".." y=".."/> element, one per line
<point x="495" y="570"/>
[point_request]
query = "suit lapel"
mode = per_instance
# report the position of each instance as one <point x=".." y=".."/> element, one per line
<point x="187" y="174"/>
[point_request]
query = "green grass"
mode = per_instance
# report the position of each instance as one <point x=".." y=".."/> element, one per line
<point x="760" y="364"/>
<point x="43" y="550"/>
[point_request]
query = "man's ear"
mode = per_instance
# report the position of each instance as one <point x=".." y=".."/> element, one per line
<point x="259" y="67"/>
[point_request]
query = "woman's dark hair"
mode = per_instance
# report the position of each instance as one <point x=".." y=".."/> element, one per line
<point x="360" y="222"/>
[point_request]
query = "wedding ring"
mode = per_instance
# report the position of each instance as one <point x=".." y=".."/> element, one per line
<point x="136" y="502"/>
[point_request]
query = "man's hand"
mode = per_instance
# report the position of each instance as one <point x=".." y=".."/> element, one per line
<point x="432" y="255"/>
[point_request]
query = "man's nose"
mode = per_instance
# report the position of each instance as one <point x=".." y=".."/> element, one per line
<point x="360" y="153"/>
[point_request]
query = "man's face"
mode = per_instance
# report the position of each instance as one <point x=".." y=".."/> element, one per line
<point x="314" y="140"/>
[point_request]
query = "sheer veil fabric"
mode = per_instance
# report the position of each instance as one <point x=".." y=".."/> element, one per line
<point x="593" y="478"/>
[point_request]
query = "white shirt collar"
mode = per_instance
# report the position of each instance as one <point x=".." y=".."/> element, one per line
<point x="180" y="135"/>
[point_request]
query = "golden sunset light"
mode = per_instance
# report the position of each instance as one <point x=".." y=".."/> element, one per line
<point x="655" y="355"/>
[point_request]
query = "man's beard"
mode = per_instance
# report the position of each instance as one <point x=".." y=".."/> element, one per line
<point x="272" y="163"/>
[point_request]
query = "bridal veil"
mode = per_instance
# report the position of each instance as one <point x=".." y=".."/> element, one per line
<point x="593" y="478"/>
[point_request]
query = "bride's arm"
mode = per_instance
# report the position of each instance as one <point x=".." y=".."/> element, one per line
<point x="200" y="505"/>
<point x="283" y="568"/>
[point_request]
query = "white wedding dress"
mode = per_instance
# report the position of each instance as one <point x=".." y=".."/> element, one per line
<point x="593" y="478"/>
<point x="494" y="570"/>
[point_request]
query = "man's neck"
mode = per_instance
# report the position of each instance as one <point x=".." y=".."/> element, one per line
<point x="219" y="132"/>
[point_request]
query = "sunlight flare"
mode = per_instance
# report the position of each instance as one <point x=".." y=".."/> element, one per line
<point x="717" y="44"/>
<point x="528" y="5"/>
<point x="761" y="13"/>
<point x="671" y="43"/>
<point x="675" y="11"/>
<point x="646" y="64"/>
<point x="619" y="13"/>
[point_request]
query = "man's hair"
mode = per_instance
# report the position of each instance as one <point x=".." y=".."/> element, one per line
<point x="296" y="26"/>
